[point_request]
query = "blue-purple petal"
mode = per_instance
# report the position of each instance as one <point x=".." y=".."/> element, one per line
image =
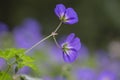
<point x="70" y="56"/>
<point x="107" y="75"/>
<point x="27" y="34"/>
<point x="71" y="16"/>
<point x="70" y="37"/>
<point x="24" y="70"/>
<point x="70" y="48"/>
<point x="3" y="64"/>
<point x="85" y="74"/>
<point x="59" y="78"/>
<point x="3" y="28"/>
<point x="60" y="10"/>
<point x="76" y="43"/>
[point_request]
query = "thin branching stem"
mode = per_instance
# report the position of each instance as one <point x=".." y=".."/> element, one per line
<point x="56" y="42"/>
<point x="38" y="43"/>
<point x="52" y="34"/>
<point x="58" y="27"/>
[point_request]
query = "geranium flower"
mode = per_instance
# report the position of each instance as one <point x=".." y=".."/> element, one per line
<point x="3" y="28"/>
<point x="27" y="34"/>
<point x="66" y="15"/>
<point x="85" y="73"/>
<point x="24" y="70"/>
<point x="3" y="64"/>
<point x="107" y="75"/>
<point x="70" y="48"/>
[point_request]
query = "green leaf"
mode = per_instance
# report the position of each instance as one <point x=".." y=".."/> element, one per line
<point x="6" y="76"/>
<point x="10" y="53"/>
<point x="19" y="57"/>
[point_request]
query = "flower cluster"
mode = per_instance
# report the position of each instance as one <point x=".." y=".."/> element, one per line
<point x="17" y="65"/>
<point x="72" y="44"/>
<point x="27" y="36"/>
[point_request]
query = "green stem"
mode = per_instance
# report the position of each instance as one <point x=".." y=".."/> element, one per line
<point x="3" y="77"/>
<point x="58" y="27"/>
<point x="56" y="32"/>
<point x="52" y="34"/>
<point x="56" y="42"/>
<point x="38" y="43"/>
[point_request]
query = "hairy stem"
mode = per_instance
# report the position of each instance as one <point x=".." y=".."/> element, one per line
<point x="52" y="34"/>
<point x="38" y="43"/>
<point x="58" y="27"/>
<point x="56" y="42"/>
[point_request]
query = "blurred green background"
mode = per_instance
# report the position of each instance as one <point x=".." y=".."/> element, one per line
<point x="99" y="20"/>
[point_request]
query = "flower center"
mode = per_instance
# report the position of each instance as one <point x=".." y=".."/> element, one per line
<point x="63" y="17"/>
<point x="65" y="47"/>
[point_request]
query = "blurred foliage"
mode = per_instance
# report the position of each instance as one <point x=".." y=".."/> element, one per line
<point x="99" y="20"/>
<point x="7" y="76"/>
<point x="21" y="59"/>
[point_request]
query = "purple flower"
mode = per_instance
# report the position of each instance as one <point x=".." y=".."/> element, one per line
<point x="114" y="67"/>
<point x="102" y="58"/>
<point x="24" y="70"/>
<point x="107" y="75"/>
<point x="56" y="78"/>
<point x="53" y="53"/>
<point x="83" y="53"/>
<point x="3" y="28"/>
<point x="27" y="34"/>
<point x="60" y="78"/>
<point x="70" y="48"/>
<point x="68" y="16"/>
<point x="3" y="64"/>
<point x="85" y="74"/>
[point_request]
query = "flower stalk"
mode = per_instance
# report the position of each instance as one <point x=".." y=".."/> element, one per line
<point x="54" y="33"/>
